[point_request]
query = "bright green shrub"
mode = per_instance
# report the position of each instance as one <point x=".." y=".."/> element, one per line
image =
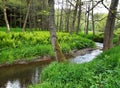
<point x="65" y="47"/>
<point x="98" y="37"/>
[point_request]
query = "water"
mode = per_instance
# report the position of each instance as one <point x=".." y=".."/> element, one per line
<point x="90" y="56"/>
<point x="20" y="76"/>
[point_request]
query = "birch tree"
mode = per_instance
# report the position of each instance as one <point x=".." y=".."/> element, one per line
<point x="5" y="15"/>
<point x="27" y="14"/>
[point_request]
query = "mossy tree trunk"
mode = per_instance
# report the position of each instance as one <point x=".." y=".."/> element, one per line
<point x="58" y="53"/>
<point x="110" y="23"/>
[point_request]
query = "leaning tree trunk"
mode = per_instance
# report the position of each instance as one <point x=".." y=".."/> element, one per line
<point x="58" y="53"/>
<point x="25" y="21"/>
<point x="5" y="15"/>
<point x="108" y="32"/>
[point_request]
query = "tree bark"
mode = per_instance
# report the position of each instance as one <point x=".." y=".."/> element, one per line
<point x="61" y="18"/>
<point x="25" y="21"/>
<point x="5" y="15"/>
<point x="68" y="12"/>
<point x="110" y="23"/>
<point x="93" y="23"/>
<point x="58" y="53"/>
<point x="87" y="19"/>
<point x="74" y="18"/>
<point x="79" y="17"/>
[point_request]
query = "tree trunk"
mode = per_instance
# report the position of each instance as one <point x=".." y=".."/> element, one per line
<point x="93" y="24"/>
<point x="68" y="12"/>
<point x="34" y="14"/>
<point x="87" y="23"/>
<point x="61" y="18"/>
<point x="67" y="20"/>
<point x="74" y="18"/>
<point x="5" y="15"/>
<point x="25" y="21"/>
<point x="79" y="17"/>
<point x="58" y="53"/>
<point x="110" y="23"/>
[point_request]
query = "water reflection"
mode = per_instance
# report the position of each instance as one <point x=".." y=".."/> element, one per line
<point x="14" y="84"/>
<point x="19" y="76"/>
<point x="35" y="77"/>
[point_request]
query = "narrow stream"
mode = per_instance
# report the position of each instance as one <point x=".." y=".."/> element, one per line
<point x="20" y="76"/>
<point x="89" y="56"/>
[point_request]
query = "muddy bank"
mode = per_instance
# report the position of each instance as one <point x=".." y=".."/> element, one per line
<point x="48" y="59"/>
<point x="37" y="60"/>
<point x="80" y="52"/>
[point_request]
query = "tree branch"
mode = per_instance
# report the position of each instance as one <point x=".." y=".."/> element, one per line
<point x="95" y="5"/>
<point x="71" y="3"/>
<point x="109" y="10"/>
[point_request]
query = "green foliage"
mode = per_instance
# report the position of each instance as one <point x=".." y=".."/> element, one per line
<point x="25" y="45"/>
<point x="102" y="72"/>
<point x="25" y="53"/>
<point x="98" y="37"/>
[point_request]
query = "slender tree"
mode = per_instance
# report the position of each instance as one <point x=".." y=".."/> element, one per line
<point x="79" y="17"/>
<point x="93" y="23"/>
<point x="5" y="15"/>
<point x="74" y="17"/>
<point x="27" y="14"/>
<point x="87" y="19"/>
<point x="58" y="53"/>
<point x="110" y="23"/>
<point x="61" y="18"/>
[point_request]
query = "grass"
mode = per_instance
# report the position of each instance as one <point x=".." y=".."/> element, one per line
<point x="102" y="72"/>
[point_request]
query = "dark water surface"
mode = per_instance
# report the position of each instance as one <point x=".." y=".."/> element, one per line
<point x="20" y="76"/>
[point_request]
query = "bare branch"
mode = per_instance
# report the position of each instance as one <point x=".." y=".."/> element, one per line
<point x="100" y="19"/>
<point x="95" y="5"/>
<point x="71" y="3"/>
<point x="109" y="10"/>
<point x="104" y="5"/>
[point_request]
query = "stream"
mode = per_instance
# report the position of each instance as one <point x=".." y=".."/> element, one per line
<point x="20" y="76"/>
<point x="88" y="56"/>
